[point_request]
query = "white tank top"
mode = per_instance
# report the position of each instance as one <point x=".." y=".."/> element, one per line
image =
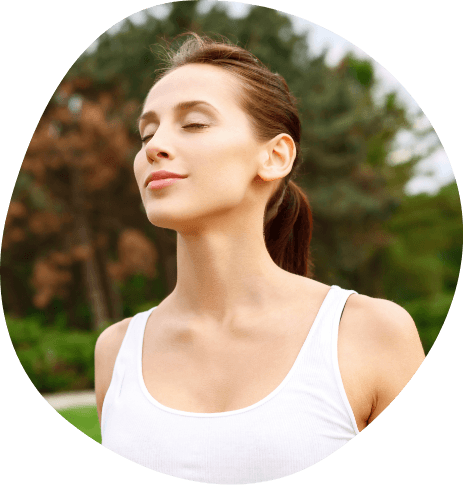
<point x="306" y="418"/>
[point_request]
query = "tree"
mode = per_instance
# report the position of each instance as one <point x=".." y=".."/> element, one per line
<point x="70" y="204"/>
<point x="420" y="267"/>
<point x="76" y="223"/>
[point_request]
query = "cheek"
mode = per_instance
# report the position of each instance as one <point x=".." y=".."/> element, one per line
<point x="224" y="186"/>
<point x="138" y="168"/>
<point x="221" y="173"/>
<point x="224" y="158"/>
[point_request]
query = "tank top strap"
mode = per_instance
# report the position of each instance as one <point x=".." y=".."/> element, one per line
<point x="337" y="307"/>
<point x="337" y="312"/>
<point x="325" y="326"/>
<point x="132" y="340"/>
<point x="321" y="332"/>
<point x="125" y="364"/>
<point x="319" y="371"/>
<point x="333" y="323"/>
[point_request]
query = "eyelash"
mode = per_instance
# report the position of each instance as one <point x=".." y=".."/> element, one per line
<point x="191" y="125"/>
<point x="196" y="125"/>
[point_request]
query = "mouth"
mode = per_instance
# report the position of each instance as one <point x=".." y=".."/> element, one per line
<point x="161" y="183"/>
<point x="162" y="175"/>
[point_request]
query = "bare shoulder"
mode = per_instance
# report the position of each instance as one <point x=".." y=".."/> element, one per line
<point x="379" y="351"/>
<point x="384" y="325"/>
<point x="112" y="335"/>
<point x="106" y="350"/>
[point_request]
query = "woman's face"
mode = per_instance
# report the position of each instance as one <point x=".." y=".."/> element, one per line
<point x="210" y="143"/>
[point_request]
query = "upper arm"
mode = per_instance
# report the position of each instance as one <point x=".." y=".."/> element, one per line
<point x="106" y="350"/>
<point x="379" y="351"/>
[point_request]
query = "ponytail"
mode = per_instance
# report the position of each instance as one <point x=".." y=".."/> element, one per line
<point x="288" y="228"/>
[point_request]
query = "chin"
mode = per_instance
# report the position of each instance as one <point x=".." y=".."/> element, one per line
<point x="175" y="220"/>
<point x="188" y="220"/>
<point x="166" y="221"/>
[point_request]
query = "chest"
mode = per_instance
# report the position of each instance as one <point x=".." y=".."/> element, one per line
<point x="216" y="372"/>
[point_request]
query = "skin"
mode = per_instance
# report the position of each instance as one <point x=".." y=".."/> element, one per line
<point x="232" y="328"/>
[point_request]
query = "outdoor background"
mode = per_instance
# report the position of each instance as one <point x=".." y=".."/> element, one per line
<point x="78" y="252"/>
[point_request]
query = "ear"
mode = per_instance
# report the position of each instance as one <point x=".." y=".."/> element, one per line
<point x="278" y="157"/>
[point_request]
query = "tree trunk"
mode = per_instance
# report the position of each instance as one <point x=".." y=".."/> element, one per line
<point x="92" y="274"/>
<point x="112" y="290"/>
<point x="11" y="290"/>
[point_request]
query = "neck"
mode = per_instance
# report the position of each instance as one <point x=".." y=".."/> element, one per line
<point x="226" y="274"/>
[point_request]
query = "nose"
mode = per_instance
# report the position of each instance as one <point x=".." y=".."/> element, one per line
<point x="162" y="155"/>
<point x="157" y="147"/>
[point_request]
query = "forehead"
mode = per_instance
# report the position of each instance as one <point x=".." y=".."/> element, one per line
<point x="195" y="81"/>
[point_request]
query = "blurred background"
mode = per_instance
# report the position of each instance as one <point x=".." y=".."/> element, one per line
<point x="78" y="252"/>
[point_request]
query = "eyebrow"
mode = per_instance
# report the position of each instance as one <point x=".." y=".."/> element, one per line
<point x="183" y="105"/>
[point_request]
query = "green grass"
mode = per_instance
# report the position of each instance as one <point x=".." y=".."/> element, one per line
<point x="85" y="419"/>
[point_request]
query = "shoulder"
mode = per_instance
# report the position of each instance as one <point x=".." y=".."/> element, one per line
<point x="383" y="322"/>
<point x="111" y="338"/>
<point x="379" y="350"/>
<point x="106" y="350"/>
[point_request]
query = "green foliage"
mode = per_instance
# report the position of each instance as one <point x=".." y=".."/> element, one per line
<point x="138" y="293"/>
<point x="429" y="316"/>
<point x="54" y="359"/>
<point x="361" y="70"/>
<point x="346" y="135"/>
<point x="368" y="235"/>
<point x="426" y="248"/>
<point x="421" y="265"/>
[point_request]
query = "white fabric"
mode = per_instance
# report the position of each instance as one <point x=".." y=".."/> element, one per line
<point x="306" y="418"/>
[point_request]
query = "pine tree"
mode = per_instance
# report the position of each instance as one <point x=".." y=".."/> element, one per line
<point x="76" y="229"/>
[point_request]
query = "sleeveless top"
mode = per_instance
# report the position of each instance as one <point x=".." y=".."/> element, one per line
<point x="305" y="419"/>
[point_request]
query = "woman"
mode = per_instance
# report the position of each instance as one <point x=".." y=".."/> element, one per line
<point x="249" y="370"/>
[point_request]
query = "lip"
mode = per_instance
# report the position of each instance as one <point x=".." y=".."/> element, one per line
<point x="159" y="184"/>
<point x="163" y="174"/>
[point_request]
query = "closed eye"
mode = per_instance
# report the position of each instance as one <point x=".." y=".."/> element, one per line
<point x="191" y="125"/>
<point x="195" y="125"/>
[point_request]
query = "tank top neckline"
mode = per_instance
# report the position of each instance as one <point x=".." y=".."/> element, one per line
<point x="277" y="390"/>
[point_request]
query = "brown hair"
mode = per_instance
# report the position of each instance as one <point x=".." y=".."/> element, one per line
<point x="272" y="110"/>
